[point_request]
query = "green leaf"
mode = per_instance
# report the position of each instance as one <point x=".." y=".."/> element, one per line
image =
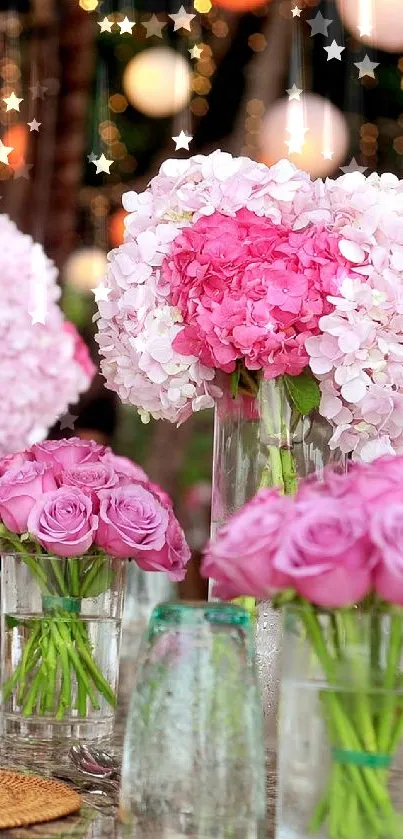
<point x="235" y="376"/>
<point x="24" y="537"/>
<point x="303" y="391"/>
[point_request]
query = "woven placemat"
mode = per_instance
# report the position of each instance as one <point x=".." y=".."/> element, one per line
<point x="26" y="799"/>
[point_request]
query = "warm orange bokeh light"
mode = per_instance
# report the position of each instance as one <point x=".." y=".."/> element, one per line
<point x="17" y="137"/>
<point x="240" y="5"/>
<point x="116" y="228"/>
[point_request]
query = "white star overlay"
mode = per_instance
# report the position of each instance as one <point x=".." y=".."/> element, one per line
<point x="182" y="141"/>
<point x="126" y="26"/>
<point x="101" y="293"/>
<point x="154" y="26"/>
<point x="366" y="67"/>
<point x="294" y="92"/>
<point x="34" y="125"/>
<point x="319" y="25"/>
<point x="196" y="52"/>
<point x="4" y="152"/>
<point x="353" y="167"/>
<point x="12" y="102"/>
<point x="106" y="24"/>
<point x="67" y="421"/>
<point x="296" y="11"/>
<point x="103" y="164"/>
<point x="38" y="91"/>
<point x="334" y="51"/>
<point x="182" y="19"/>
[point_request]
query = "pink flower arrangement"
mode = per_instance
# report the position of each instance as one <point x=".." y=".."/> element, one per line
<point x="45" y="364"/>
<point x="67" y="496"/>
<point x="335" y="544"/>
<point x="72" y="511"/>
<point x="229" y="265"/>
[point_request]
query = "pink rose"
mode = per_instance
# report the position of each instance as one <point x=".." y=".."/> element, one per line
<point x="14" y="461"/>
<point x="326" y="552"/>
<point x="131" y="520"/>
<point x="63" y="522"/>
<point x="241" y="558"/>
<point x="20" y="488"/>
<point x="173" y="557"/>
<point x="90" y="478"/>
<point x="81" y="353"/>
<point x="386" y="530"/>
<point x="66" y="453"/>
<point x="127" y="471"/>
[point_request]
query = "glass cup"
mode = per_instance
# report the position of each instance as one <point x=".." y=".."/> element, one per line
<point x="193" y="763"/>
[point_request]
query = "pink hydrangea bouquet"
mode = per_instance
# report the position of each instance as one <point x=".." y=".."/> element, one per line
<point x="72" y="512"/>
<point x="233" y="268"/>
<point x="45" y="364"/>
<point x="332" y="556"/>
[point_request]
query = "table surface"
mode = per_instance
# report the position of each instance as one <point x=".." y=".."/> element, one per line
<point x="92" y="822"/>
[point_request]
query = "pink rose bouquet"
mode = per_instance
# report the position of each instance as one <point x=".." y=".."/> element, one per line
<point x="45" y="363"/>
<point x="332" y="556"/>
<point x="66" y="508"/>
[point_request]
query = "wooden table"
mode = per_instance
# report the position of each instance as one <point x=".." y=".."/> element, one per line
<point x="92" y="823"/>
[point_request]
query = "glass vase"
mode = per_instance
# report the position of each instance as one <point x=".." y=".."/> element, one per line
<point x="341" y="725"/>
<point x="60" y="639"/>
<point x="261" y="440"/>
<point x="144" y="590"/>
<point x="193" y="762"/>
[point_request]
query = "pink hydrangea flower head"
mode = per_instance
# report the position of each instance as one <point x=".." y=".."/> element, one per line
<point x="40" y="373"/>
<point x="138" y="327"/>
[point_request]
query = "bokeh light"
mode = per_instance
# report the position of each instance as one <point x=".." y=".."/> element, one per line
<point x="158" y="82"/>
<point x="240" y="5"/>
<point x="17" y="137"/>
<point x="85" y="269"/>
<point x="116" y="228"/>
<point x="375" y="22"/>
<point x="314" y="126"/>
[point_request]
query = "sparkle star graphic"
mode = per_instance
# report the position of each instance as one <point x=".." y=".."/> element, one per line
<point x="12" y="102"/>
<point x="196" y="52"/>
<point x="34" y="125"/>
<point x="105" y="24"/>
<point x="319" y="25"/>
<point x="38" y="90"/>
<point x="334" y="51"/>
<point x="182" y="141"/>
<point x="294" y="92"/>
<point x="366" y="67"/>
<point x="101" y="293"/>
<point x="92" y="158"/>
<point x="103" y="165"/>
<point x="4" y="152"/>
<point x="126" y="26"/>
<point x="296" y="12"/>
<point x="182" y="20"/>
<point x="38" y="316"/>
<point x="296" y="142"/>
<point x="67" y="421"/>
<point x="365" y="30"/>
<point x="22" y="170"/>
<point x="327" y="155"/>
<point x="353" y="167"/>
<point x="153" y="26"/>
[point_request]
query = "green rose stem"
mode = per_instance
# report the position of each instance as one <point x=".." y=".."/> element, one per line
<point x="369" y="785"/>
<point x="59" y="645"/>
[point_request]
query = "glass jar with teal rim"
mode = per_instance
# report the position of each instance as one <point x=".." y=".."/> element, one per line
<point x="340" y="765"/>
<point x="60" y="641"/>
<point x="193" y="761"/>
